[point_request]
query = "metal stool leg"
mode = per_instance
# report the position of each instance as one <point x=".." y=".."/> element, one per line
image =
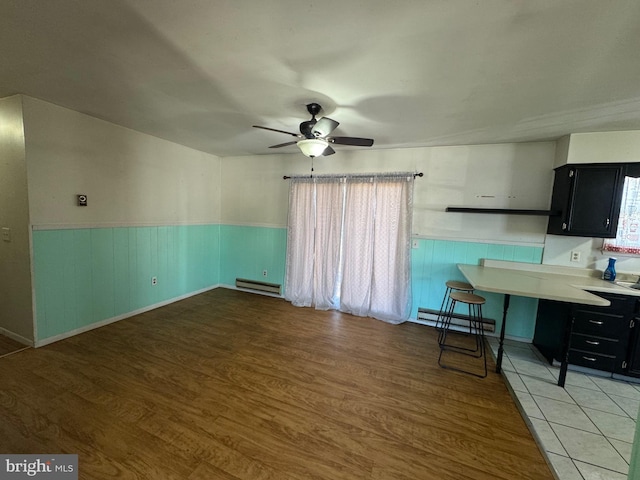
<point x="443" y="309"/>
<point x="476" y="328"/>
<point x="483" y="345"/>
<point x="446" y="322"/>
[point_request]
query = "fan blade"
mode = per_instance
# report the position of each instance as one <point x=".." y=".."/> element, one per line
<point x="276" y="130"/>
<point x="284" y="144"/>
<point x="359" y="142"/>
<point x="324" y="127"/>
<point x="328" y="151"/>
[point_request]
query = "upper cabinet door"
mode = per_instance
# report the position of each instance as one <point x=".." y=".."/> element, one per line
<point x="589" y="198"/>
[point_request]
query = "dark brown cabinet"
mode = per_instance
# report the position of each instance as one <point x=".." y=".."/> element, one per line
<point x="602" y="338"/>
<point x="588" y="197"/>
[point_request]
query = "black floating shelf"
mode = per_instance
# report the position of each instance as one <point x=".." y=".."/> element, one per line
<point x="504" y="211"/>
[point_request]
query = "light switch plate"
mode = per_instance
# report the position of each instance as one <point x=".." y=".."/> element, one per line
<point x="6" y="234"/>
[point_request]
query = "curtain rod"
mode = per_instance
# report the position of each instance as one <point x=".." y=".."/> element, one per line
<point x="420" y="174"/>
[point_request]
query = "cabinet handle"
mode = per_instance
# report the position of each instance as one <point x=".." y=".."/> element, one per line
<point x="564" y="226"/>
<point x="590" y="359"/>
<point x="591" y="342"/>
<point x="607" y="222"/>
<point x="596" y="322"/>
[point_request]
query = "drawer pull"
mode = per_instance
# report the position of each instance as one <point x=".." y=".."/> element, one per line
<point x="597" y="322"/>
<point x="591" y="359"/>
<point x="592" y="342"/>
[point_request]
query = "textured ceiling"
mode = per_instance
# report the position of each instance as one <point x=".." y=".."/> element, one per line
<point x="406" y="73"/>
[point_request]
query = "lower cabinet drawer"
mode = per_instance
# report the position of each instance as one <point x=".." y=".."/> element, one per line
<point x="592" y="360"/>
<point x="589" y="343"/>
<point x="599" y="324"/>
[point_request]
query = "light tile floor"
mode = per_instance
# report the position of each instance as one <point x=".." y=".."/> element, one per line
<point x="585" y="429"/>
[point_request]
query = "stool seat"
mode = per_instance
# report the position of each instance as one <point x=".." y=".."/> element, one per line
<point x="457" y="285"/>
<point x="465" y="297"/>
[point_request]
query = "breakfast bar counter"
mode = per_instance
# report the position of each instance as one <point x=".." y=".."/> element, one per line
<point x="562" y="284"/>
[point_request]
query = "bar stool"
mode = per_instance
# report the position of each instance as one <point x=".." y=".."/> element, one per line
<point x="476" y="329"/>
<point x="452" y="285"/>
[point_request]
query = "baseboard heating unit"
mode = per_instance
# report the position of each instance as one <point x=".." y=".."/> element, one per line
<point x="429" y="315"/>
<point x="258" y="286"/>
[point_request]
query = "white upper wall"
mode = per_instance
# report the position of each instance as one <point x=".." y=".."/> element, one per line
<point x="599" y="147"/>
<point x="130" y="178"/>
<point x="16" y="313"/>
<point x="491" y="176"/>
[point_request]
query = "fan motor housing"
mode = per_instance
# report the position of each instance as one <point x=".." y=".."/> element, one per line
<point x="314" y="109"/>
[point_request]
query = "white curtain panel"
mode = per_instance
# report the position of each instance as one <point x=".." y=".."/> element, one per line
<point x="391" y="277"/>
<point x="328" y="239"/>
<point x="377" y="248"/>
<point x="300" y="243"/>
<point x="358" y="249"/>
<point x="349" y="245"/>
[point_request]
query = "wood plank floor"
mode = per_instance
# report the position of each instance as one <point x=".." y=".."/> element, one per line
<point x="9" y="346"/>
<point x="231" y="385"/>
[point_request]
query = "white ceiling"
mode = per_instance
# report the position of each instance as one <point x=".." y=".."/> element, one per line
<point x="406" y="73"/>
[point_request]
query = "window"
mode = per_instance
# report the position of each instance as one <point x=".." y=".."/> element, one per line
<point x="349" y="244"/>
<point x="628" y="235"/>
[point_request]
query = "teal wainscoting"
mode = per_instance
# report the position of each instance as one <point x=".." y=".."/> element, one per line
<point x="84" y="276"/>
<point x="245" y="252"/>
<point x="435" y="261"/>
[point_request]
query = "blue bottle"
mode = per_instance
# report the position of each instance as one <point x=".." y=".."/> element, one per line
<point x="610" y="271"/>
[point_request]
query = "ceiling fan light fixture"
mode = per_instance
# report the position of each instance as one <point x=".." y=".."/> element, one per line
<point x="313" y="139"/>
<point x="312" y="147"/>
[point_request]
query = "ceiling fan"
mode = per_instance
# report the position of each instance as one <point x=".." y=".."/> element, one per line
<point x="314" y="138"/>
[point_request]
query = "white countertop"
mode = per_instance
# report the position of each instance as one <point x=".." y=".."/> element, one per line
<point x="563" y="284"/>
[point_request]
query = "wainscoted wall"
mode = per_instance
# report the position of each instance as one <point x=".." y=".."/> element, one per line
<point x="245" y="252"/>
<point x="89" y="275"/>
<point x="434" y="262"/>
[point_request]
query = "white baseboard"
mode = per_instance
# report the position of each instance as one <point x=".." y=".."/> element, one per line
<point x="431" y="323"/>
<point x="102" y="323"/>
<point x="16" y="337"/>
